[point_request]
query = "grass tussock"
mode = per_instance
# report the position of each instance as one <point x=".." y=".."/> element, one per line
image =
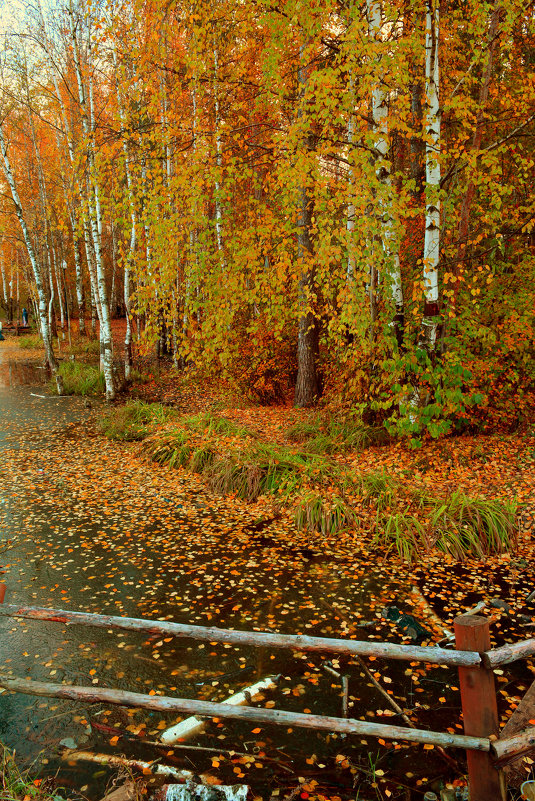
<point x="212" y="424"/>
<point x="322" y="494"/>
<point x="135" y="420"/>
<point x="474" y="526"/>
<point x="459" y="526"/>
<point x="329" y="435"/>
<point x="313" y="512"/>
<point x="80" y="379"/>
<point x="16" y="785"/>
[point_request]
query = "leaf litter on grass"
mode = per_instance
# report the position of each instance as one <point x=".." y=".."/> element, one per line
<point x="110" y="533"/>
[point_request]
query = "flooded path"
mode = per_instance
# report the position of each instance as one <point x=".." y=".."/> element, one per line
<point x="86" y="524"/>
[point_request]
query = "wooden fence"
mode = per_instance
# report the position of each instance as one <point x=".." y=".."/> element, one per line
<point x="486" y="751"/>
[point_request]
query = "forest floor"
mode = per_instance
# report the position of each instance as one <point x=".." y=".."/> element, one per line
<point x="497" y="466"/>
<point x="238" y="565"/>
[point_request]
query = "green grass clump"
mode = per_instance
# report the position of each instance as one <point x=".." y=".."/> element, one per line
<point x="260" y="470"/>
<point x="382" y="490"/>
<point x="135" y="420"/>
<point x="30" y="342"/>
<point x="316" y="488"/>
<point x="459" y="526"/>
<point x="402" y="533"/>
<point x="16" y="785"/>
<point x="80" y="379"/>
<point x="313" y="512"/>
<point x="171" y="449"/>
<point x="330" y="435"/>
<point x="209" y="423"/>
<point x="465" y="526"/>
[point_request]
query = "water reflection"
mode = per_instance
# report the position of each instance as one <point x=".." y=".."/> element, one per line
<point x="21" y="373"/>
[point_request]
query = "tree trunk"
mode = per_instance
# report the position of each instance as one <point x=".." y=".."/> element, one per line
<point x="383" y="168"/>
<point x="45" y="329"/>
<point x="432" y="178"/>
<point x="462" y="235"/>
<point x="307" y="387"/>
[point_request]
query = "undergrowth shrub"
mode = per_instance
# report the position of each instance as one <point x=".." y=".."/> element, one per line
<point x="82" y="346"/>
<point x="265" y="365"/>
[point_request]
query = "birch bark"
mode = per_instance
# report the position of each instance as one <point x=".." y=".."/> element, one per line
<point x="133" y="230"/>
<point x="432" y="177"/>
<point x="390" y="244"/>
<point x="307" y="387"/>
<point x="36" y="268"/>
<point x="93" y="204"/>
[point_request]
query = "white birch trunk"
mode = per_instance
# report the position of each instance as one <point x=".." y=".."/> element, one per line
<point x="350" y="222"/>
<point x="432" y="176"/>
<point x="219" y="163"/>
<point x="3" y="271"/>
<point x="59" y="288"/>
<point x="94" y="210"/>
<point x="70" y="150"/>
<point x="383" y="172"/>
<point x="133" y="233"/>
<point x="36" y="268"/>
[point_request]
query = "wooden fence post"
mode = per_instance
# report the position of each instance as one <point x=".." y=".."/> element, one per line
<point x="480" y="711"/>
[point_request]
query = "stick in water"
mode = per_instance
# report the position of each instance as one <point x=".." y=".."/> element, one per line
<point x="194" y="725"/>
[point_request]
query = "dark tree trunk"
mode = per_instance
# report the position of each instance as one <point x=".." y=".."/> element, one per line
<point x="307" y="387"/>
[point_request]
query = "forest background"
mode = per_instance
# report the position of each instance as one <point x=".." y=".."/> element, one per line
<point x="331" y="197"/>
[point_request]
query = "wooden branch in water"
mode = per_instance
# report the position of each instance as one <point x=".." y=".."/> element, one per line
<point x="159" y="703"/>
<point x="193" y="726"/>
<point x="298" y="642"/>
<point x="508" y="653"/>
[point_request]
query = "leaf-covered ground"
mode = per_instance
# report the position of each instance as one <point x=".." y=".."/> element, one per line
<point x="94" y="526"/>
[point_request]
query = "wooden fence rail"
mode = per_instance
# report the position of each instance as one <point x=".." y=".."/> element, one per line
<point x="474" y="658"/>
<point x="297" y="642"/>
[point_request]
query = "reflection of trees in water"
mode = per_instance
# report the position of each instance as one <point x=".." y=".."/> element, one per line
<point x="19" y="373"/>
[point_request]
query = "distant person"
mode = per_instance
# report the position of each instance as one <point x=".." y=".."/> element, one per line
<point x="1" y="334"/>
<point x="24" y="317"/>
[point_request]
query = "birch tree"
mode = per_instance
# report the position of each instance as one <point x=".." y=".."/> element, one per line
<point x="93" y="205"/>
<point x="389" y="239"/>
<point x="431" y="254"/>
<point x="36" y="267"/>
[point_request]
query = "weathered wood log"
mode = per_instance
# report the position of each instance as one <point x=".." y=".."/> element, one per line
<point x="195" y="792"/>
<point x="513" y="747"/>
<point x="117" y="761"/>
<point x="298" y="642"/>
<point x="193" y="726"/>
<point x="159" y="703"/>
<point x="519" y="721"/>
<point x="508" y="653"/>
<point x="480" y="712"/>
